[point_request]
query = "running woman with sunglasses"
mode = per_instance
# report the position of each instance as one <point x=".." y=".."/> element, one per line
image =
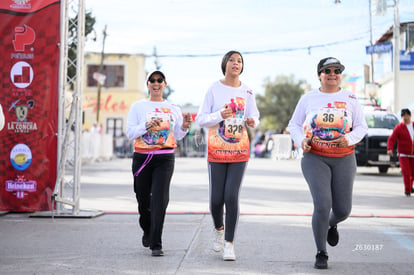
<point x="327" y="123"/>
<point x="155" y="125"/>
<point x="229" y="107"/>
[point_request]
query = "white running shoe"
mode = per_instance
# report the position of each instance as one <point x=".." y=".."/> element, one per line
<point x="228" y="252"/>
<point x="218" y="240"/>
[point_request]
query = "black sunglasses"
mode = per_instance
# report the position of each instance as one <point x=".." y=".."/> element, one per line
<point x="328" y="71"/>
<point x="159" y="80"/>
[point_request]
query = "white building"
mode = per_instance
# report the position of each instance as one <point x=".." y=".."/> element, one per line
<point x="383" y="69"/>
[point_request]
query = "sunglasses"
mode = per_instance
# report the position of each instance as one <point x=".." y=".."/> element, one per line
<point x="159" y="80"/>
<point x="328" y="71"/>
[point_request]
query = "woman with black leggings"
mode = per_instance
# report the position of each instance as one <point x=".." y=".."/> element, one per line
<point x="155" y="125"/>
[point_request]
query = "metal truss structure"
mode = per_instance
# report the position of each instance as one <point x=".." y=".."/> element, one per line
<point x="66" y="195"/>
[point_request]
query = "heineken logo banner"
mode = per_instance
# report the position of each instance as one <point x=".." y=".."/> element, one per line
<point x="29" y="64"/>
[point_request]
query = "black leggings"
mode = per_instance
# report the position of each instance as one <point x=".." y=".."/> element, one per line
<point x="225" y="181"/>
<point x="152" y="190"/>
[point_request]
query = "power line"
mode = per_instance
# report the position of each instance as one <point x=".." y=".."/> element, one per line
<point x="308" y="48"/>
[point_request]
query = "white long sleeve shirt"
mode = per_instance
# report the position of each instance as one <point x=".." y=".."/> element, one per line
<point x="227" y="138"/>
<point x="326" y="117"/>
<point x="162" y="137"/>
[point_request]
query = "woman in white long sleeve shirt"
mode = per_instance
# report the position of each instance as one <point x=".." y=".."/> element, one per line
<point x="155" y="125"/>
<point x="229" y="106"/>
<point x="327" y="123"/>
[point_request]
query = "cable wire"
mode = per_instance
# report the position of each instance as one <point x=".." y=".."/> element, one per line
<point x="308" y="48"/>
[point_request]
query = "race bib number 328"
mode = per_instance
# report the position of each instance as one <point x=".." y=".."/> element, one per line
<point x="233" y="128"/>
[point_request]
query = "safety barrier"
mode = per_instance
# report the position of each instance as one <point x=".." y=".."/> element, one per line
<point x="93" y="147"/>
<point x="282" y="147"/>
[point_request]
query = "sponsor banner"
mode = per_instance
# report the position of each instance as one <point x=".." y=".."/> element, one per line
<point x="24" y="6"/>
<point x="30" y="35"/>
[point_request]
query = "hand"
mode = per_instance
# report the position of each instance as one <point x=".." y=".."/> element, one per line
<point x="250" y="122"/>
<point x="343" y="142"/>
<point x="187" y="120"/>
<point x="306" y="145"/>
<point x="226" y="112"/>
<point x="390" y="152"/>
<point x="154" y="122"/>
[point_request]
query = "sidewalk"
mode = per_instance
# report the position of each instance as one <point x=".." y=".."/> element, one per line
<point x="273" y="236"/>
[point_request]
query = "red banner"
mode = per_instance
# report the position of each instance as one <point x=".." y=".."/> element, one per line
<point x="29" y="64"/>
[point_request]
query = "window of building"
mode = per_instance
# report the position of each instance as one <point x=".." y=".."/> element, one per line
<point x="115" y="75"/>
<point x="114" y="127"/>
<point x="410" y="37"/>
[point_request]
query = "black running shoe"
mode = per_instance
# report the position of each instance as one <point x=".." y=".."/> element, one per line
<point x="333" y="236"/>
<point x="157" y="252"/>
<point x="145" y="240"/>
<point x="321" y="260"/>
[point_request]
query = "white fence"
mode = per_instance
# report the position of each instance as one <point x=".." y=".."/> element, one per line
<point x="282" y="147"/>
<point x="94" y="147"/>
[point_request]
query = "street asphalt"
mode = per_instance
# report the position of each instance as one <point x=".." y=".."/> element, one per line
<point x="273" y="236"/>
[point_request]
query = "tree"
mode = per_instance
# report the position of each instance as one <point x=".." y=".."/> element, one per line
<point x="73" y="42"/>
<point x="277" y="104"/>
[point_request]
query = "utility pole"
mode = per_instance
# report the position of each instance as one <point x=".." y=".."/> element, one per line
<point x="168" y="90"/>
<point x="371" y="79"/>
<point x="396" y="57"/>
<point x="380" y="8"/>
<point x="156" y="62"/>
<point x="98" y="99"/>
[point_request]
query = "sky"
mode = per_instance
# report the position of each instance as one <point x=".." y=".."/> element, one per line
<point x="276" y="37"/>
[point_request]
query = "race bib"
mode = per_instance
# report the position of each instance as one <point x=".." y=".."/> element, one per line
<point x="233" y="128"/>
<point x="333" y="119"/>
<point x="163" y="118"/>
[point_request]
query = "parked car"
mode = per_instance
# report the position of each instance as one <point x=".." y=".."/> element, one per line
<point x="372" y="149"/>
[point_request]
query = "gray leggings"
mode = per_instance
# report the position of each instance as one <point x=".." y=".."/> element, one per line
<point x="225" y="181"/>
<point x="330" y="182"/>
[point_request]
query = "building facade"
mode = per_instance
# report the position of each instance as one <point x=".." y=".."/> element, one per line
<point x="122" y="83"/>
<point x="383" y="68"/>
